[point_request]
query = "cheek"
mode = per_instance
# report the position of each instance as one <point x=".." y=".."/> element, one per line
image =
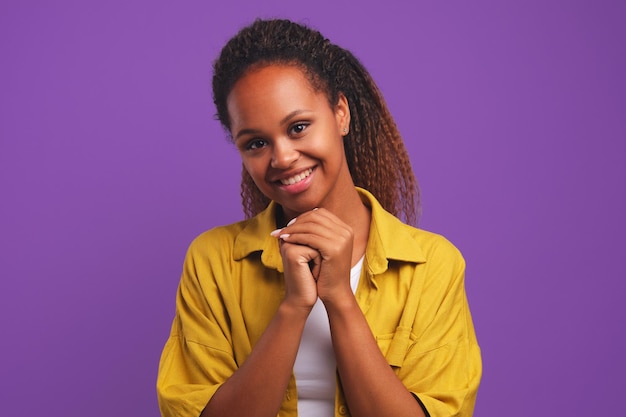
<point x="249" y="166"/>
<point x="333" y="145"/>
<point x="254" y="167"/>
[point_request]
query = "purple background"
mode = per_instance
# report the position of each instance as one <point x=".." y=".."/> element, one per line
<point x="111" y="162"/>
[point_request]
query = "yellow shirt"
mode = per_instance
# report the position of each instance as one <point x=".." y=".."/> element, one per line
<point x="411" y="293"/>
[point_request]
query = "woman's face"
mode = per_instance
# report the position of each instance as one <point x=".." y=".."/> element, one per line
<point x="290" y="138"/>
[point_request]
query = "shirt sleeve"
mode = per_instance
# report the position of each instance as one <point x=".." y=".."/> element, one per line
<point x="442" y="365"/>
<point x="197" y="357"/>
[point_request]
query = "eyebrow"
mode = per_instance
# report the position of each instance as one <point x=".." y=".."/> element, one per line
<point x="285" y="120"/>
<point x="292" y="115"/>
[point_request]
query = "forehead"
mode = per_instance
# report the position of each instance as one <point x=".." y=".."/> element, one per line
<point x="270" y="92"/>
<point x="271" y="77"/>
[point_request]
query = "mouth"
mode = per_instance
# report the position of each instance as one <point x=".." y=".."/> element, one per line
<point x="296" y="178"/>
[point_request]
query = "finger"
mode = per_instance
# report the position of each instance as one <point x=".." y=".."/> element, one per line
<point x="318" y="215"/>
<point x="300" y="254"/>
<point x="322" y="217"/>
<point x="317" y="225"/>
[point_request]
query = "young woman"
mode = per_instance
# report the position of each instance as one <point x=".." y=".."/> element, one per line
<point x="322" y="302"/>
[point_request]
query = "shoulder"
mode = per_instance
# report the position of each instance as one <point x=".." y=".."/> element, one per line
<point x="435" y="246"/>
<point x="391" y="239"/>
<point x="218" y="240"/>
<point x="219" y="236"/>
<point x="209" y="256"/>
<point x="443" y="269"/>
<point x="434" y="252"/>
<point x="242" y="237"/>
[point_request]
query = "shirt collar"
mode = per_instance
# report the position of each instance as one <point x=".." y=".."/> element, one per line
<point x="255" y="237"/>
<point x="389" y="238"/>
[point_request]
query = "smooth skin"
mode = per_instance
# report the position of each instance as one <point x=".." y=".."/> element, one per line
<point x="285" y="129"/>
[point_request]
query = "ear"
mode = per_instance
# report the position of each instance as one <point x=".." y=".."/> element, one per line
<point x="342" y="115"/>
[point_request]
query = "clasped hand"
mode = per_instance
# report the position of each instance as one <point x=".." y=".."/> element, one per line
<point x="316" y="248"/>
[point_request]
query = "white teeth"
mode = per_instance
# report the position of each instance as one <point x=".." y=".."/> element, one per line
<point x="297" y="178"/>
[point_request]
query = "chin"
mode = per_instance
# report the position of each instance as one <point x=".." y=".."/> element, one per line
<point x="297" y="209"/>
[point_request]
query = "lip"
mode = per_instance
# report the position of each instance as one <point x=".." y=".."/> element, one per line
<point x="290" y="173"/>
<point x="298" y="186"/>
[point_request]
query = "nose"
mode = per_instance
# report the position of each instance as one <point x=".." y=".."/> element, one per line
<point x="283" y="154"/>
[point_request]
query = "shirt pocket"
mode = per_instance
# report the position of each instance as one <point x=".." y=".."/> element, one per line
<point x="395" y="346"/>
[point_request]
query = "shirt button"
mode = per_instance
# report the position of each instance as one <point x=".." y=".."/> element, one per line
<point x="343" y="410"/>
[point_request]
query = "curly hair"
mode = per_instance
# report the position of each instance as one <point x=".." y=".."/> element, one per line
<point x="375" y="152"/>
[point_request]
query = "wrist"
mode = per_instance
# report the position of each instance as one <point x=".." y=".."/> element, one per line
<point x="340" y="301"/>
<point x="294" y="310"/>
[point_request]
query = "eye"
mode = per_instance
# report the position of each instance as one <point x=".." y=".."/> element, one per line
<point x="256" y="144"/>
<point x="298" y="128"/>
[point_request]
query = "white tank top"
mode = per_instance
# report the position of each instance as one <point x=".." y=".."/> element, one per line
<point x="315" y="367"/>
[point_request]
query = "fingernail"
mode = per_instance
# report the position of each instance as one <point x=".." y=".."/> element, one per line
<point x="292" y="221"/>
<point x="275" y="233"/>
<point x="284" y="236"/>
<point x="315" y="209"/>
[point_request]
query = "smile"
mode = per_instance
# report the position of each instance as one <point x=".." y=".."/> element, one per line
<point x="296" y="178"/>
